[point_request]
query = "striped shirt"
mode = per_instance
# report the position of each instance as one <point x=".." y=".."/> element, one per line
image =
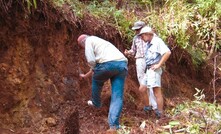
<point x="138" y="47"/>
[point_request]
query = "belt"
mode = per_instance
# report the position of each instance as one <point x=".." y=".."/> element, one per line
<point x="139" y="57"/>
<point x="147" y="67"/>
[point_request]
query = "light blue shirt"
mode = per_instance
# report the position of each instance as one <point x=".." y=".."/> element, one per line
<point x="155" y="50"/>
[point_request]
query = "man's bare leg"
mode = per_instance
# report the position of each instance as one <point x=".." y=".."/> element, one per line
<point x="144" y="95"/>
<point x="159" y="98"/>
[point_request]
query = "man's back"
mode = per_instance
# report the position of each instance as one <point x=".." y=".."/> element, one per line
<point x="103" y="50"/>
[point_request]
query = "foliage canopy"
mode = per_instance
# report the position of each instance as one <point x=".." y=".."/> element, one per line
<point x="194" y="24"/>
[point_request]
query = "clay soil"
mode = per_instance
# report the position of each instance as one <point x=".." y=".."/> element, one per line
<point x="40" y="91"/>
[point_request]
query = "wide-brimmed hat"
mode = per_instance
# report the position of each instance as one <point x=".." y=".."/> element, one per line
<point x="146" y="29"/>
<point x="138" y="25"/>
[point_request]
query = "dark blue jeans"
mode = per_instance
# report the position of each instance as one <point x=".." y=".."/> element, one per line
<point x="116" y="71"/>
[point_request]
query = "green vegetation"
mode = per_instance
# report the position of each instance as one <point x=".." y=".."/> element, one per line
<point x="192" y="117"/>
<point x="30" y="3"/>
<point x="119" y="18"/>
<point x="194" y="25"/>
<point x="195" y="117"/>
<point x="59" y="3"/>
<point x="106" y="11"/>
<point x="198" y="116"/>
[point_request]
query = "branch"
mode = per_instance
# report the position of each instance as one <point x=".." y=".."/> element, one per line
<point x="214" y="43"/>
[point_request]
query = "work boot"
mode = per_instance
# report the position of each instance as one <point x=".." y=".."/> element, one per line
<point x="147" y="108"/>
<point x="158" y="114"/>
<point x="111" y="131"/>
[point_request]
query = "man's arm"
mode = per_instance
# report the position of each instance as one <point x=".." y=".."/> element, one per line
<point x="89" y="73"/>
<point x="162" y="61"/>
<point x="132" y="50"/>
<point x="164" y="58"/>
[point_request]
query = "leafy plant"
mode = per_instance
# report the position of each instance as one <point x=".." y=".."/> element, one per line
<point x="198" y="116"/>
<point x="171" y="20"/>
<point x="198" y="55"/>
<point x="108" y="12"/>
<point x="205" y="22"/>
<point x="124" y="130"/>
<point x="58" y="3"/>
<point x="199" y="95"/>
<point x="30" y="3"/>
<point x="194" y="27"/>
<point x="208" y="7"/>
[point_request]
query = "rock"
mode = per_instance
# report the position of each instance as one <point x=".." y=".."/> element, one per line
<point x="51" y="122"/>
<point x="72" y="124"/>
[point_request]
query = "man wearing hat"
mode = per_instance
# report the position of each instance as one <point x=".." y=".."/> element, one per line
<point x="156" y="55"/>
<point x="106" y="63"/>
<point x="138" y="50"/>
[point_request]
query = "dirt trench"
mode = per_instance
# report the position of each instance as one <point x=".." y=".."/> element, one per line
<point x="39" y="67"/>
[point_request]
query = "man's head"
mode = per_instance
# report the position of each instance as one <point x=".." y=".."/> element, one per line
<point x="137" y="26"/>
<point x="146" y="33"/>
<point x="81" y="40"/>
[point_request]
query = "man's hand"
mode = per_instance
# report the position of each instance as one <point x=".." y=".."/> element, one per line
<point x="155" y="66"/>
<point x="126" y="52"/>
<point x="89" y="73"/>
<point x="82" y="76"/>
<point x="162" y="61"/>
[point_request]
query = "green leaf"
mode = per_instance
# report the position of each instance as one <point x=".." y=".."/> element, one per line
<point x="167" y="127"/>
<point x="35" y="3"/>
<point x="174" y="123"/>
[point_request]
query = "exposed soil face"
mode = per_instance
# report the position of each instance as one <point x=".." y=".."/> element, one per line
<point x="39" y="67"/>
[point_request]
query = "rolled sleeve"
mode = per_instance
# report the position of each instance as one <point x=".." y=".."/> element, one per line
<point x="132" y="51"/>
<point x="163" y="48"/>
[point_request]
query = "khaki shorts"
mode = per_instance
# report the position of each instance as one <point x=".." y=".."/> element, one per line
<point x="152" y="78"/>
<point x="140" y="67"/>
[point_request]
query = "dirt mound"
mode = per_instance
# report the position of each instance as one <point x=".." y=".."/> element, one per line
<point x="39" y="67"/>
